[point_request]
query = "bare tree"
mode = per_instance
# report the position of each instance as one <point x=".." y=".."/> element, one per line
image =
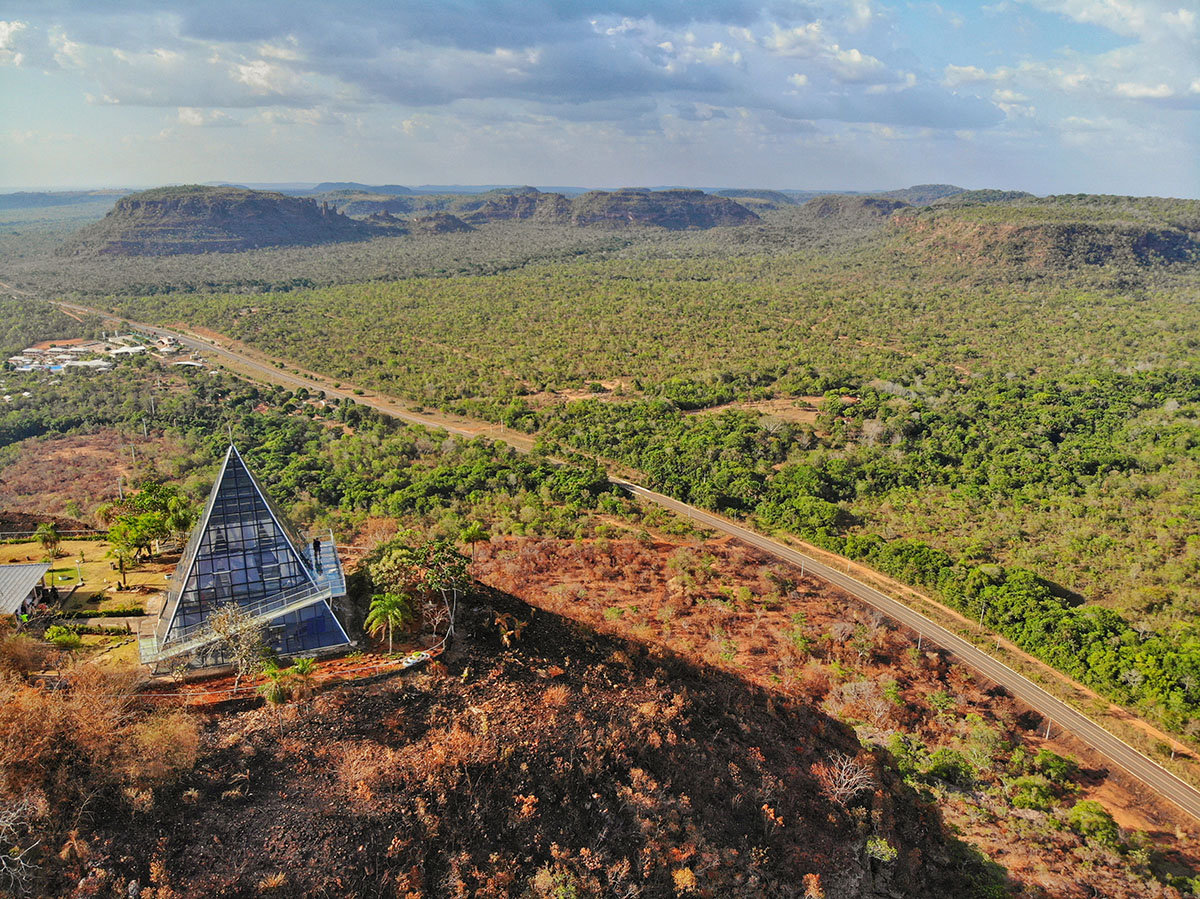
<point x="16" y="870"/>
<point x="842" y="778"/>
<point x="241" y="636"/>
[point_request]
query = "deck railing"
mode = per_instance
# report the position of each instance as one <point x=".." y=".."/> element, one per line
<point x="152" y="649"/>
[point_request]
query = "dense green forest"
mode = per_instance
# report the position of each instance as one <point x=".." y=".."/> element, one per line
<point x="335" y="463"/>
<point x="24" y="322"/>
<point x="994" y="400"/>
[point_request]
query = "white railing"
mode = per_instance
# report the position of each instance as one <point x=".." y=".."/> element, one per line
<point x="152" y="650"/>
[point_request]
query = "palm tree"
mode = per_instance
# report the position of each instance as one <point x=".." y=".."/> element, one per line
<point x="301" y="675"/>
<point x="106" y="514"/>
<point x="388" y="611"/>
<point x="180" y="518"/>
<point x="276" y="690"/>
<point x="473" y="533"/>
<point x="48" y="536"/>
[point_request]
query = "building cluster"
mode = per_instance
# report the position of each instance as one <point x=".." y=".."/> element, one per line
<point x="89" y="355"/>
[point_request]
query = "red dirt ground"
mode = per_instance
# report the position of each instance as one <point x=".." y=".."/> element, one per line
<point x="48" y="472"/>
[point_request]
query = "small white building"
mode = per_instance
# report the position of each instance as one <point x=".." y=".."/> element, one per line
<point x="18" y="584"/>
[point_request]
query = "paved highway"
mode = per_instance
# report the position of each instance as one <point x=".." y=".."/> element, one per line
<point x="1063" y="716"/>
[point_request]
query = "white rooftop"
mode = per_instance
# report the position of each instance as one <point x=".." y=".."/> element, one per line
<point x="17" y="582"/>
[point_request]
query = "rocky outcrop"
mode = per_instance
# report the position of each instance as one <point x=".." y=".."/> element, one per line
<point x="676" y="210"/>
<point x="195" y="219"/>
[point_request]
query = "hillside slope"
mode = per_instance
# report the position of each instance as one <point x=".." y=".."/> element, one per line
<point x="676" y="210"/>
<point x="1056" y="232"/>
<point x="572" y="764"/>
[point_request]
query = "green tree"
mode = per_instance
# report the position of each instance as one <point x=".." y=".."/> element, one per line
<point x="122" y="546"/>
<point x="431" y="574"/>
<point x="48" y="537"/>
<point x="302" y="674"/>
<point x="1032" y="791"/>
<point x="276" y="690"/>
<point x="1091" y="820"/>
<point x="472" y="534"/>
<point x="180" y="518"/>
<point x="388" y="611"/>
<point x="63" y="637"/>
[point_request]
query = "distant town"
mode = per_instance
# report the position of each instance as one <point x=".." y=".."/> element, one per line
<point x="93" y="355"/>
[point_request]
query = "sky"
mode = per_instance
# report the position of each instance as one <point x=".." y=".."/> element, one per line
<point x="1049" y="96"/>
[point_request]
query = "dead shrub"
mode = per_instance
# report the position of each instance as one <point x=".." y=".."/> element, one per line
<point x="361" y="767"/>
<point x="20" y="655"/>
<point x="90" y="741"/>
<point x="162" y="747"/>
<point x="814" y="681"/>
<point x="842" y="778"/>
<point x="274" y="881"/>
<point x="556" y="696"/>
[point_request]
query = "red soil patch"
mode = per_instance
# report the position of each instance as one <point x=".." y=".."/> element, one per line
<point x="69" y="341"/>
<point x="800" y="409"/>
<point x="49" y="472"/>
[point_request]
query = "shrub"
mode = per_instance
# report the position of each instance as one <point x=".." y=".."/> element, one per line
<point x="63" y="637"/>
<point x="1032" y="791"/>
<point x="88" y="741"/>
<point x="1054" y="767"/>
<point x="166" y="744"/>
<point x="101" y="630"/>
<point x="951" y="766"/>
<point x="881" y="850"/>
<point x="941" y="701"/>
<point x="122" y="612"/>
<point x="21" y="654"/>
<point x="842" y="778"/>
<point x="907" y="752"/>
<point x="1092" y="821"/>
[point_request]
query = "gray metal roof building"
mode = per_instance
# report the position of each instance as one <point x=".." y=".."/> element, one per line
<point x="17" y="582"/>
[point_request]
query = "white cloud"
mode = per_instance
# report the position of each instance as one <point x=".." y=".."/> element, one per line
<point x="67" y="53"/>
<point x="8" y="31"/>
<point x="803" y="41"/>
<point x="854" y="65"/>
<point x="287" y="51"/>
<point x="1183" y="19"/>
<point x="8" y="42"/>
<point x="953" y="76"/>
<point x="262" y="76"/>
<point x="715" y="53"/>
<point x="862" y="15"/>
<point x="693" y="74"/>
<point x="1081" y="123"/>
<point x="198" y="118"/>
<point x="1145" y="19"/>
<point x="1136" y="91"/>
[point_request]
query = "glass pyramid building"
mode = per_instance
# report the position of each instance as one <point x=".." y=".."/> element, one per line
<point x="243" y="551"/>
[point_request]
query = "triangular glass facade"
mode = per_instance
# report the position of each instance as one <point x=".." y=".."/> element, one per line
<point x="243" y="551"/>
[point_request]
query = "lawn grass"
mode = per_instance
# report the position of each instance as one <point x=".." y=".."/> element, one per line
<point x="89" y="558"/>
